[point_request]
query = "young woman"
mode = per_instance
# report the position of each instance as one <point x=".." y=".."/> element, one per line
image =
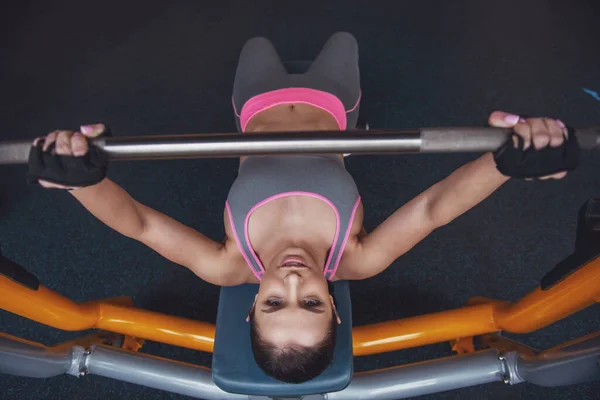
<point x="292" y="222"/>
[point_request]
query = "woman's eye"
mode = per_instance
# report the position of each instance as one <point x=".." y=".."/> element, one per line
<point x="273" y="303"/>
<point x="312" y="303"/>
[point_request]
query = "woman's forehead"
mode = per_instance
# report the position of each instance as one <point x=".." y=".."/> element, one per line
<point x="304" y="332"/>
<point x="293" y="316"/>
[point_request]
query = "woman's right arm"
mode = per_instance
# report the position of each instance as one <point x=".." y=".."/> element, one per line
<point x="112" y="205"/>
<point x="175" y="241"/>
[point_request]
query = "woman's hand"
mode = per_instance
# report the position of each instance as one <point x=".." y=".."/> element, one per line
<point x="539" y="132"/>
<point x="67" y="143"/>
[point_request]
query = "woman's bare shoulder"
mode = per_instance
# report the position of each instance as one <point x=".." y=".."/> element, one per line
<point x="235" y="270"/>
<point x="344" y="270"/>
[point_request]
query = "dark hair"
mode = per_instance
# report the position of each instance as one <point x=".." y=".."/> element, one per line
<point x="294" y="363"/>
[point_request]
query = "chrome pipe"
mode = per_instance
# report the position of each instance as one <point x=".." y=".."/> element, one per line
<point x="425" y="378"/>
<point x="426" y="140"/>
<point x="32" y="360"/>
<point x="155" y="372"/>
<point x="564" y="365"/>
<point x="574" y="362"/>
<point x="229" y="145"/>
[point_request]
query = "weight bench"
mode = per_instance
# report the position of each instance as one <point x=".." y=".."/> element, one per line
<point x="234" y="369"/>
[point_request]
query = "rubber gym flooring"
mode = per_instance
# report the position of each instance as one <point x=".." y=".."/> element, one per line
<point x="167" y="68"/>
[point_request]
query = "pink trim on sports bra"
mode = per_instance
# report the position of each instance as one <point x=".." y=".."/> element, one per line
<point x="237" y="240"/>
<point x="341" y="252"/>
<point x="317" y="98"/>
<point x="335" y="239"/>
<point x="286" y="194"/>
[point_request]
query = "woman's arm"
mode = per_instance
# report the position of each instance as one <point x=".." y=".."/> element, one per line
<point x="435" y="207"/>
<point x="466" y="187"/>
<point x="441" y="203"/>
<point x="112" y="205"/>
<point x="175" y="241"/>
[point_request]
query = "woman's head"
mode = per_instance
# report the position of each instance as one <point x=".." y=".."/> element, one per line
<point x="293" y="320"/>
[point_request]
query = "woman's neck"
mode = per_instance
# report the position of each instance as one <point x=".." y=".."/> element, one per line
<point x="292" y="222"/>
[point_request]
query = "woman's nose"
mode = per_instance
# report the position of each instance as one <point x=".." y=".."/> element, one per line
<point x="293" y="278"/>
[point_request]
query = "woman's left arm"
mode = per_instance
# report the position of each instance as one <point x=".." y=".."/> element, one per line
<point x="443" y="202"/>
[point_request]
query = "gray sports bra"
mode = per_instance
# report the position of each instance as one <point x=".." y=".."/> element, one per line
<point x="263" y="179"/>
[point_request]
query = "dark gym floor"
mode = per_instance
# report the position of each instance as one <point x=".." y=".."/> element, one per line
<point x="167" y="67"/>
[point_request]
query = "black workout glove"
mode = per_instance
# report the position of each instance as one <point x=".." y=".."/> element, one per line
<point x="532" y="163"/>
<point x="86" y="170"/>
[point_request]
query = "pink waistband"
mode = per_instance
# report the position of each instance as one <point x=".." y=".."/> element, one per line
<point x="323" y="100"/>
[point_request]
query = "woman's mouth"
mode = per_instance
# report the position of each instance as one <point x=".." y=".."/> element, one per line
<point x="293" y="262"/>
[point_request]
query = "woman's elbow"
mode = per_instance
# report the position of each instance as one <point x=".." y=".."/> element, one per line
<point x="435" y="214"/>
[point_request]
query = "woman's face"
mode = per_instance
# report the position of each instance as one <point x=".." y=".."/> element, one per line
<point x="293" y="305"/>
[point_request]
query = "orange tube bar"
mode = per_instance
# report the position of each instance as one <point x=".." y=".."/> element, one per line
<point x="114" y="315"/>
<point x="536" y="310"/>
<point x="542" y="308"/>
<point x="423" y="329"/>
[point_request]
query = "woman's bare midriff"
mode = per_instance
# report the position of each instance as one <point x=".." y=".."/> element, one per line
<point x="309" y="214"/>
<point x="292" y="117"/>
<point x="295" y="117"/>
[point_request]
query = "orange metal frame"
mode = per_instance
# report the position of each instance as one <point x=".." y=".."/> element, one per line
<point x="480" y="316"/>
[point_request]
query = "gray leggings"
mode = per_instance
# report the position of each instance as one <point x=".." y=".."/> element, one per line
<point x="335" y="70"/>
